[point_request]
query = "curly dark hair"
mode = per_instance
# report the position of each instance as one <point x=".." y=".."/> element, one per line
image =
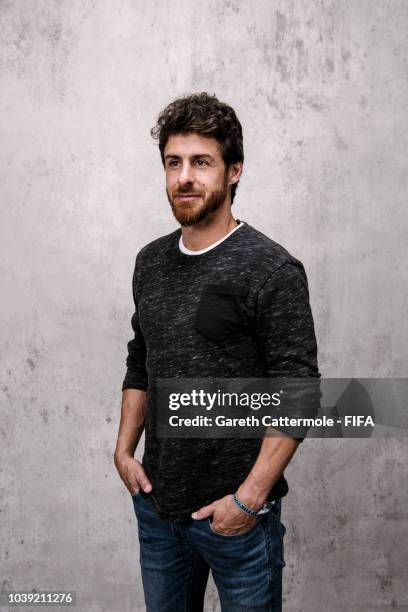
<point x="204" y="114"/>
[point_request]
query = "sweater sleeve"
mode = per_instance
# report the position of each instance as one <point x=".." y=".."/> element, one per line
<point x="285" y="330"/>
<point x="136" y="374"/>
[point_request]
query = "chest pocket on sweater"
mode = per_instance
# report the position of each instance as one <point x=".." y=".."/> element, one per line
<point x="221" y="312"/>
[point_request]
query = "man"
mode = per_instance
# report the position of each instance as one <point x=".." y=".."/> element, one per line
<point x="215" y="298"/>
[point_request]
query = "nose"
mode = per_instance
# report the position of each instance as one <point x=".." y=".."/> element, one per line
<point x="186" y="174"/>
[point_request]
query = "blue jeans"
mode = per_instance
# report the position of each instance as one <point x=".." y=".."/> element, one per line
<point x="176" y="558"/>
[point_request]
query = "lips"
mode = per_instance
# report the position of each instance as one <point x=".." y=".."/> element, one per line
<point x="187" y="199"/>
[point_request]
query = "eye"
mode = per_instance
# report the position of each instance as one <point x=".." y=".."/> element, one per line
<point x="172" y="163"/>
<point x="201" y="162"/>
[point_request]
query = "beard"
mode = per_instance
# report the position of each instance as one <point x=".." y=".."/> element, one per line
<point x="191" y="213"/>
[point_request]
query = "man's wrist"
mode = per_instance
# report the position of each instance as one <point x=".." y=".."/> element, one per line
<point x="251" y="495"/>
<point x="122" y="454"/>
<point x="249" y="511"/>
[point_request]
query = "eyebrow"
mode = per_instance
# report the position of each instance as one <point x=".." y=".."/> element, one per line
<point x="196" y="156"/>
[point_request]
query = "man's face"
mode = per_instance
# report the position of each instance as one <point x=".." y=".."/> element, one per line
<point x="196" y="177"/>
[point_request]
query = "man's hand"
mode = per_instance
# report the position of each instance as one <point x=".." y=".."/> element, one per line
<point x="227" y="519"/>
<point x="130" y="429"/>
<point x="132" y="473"/>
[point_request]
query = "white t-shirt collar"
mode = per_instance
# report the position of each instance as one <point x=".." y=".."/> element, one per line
<point x="187" y="251"/>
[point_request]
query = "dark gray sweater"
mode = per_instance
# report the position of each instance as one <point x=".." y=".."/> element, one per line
<point x="239" y="310"/>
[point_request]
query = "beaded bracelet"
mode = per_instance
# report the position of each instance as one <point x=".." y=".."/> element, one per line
<point x="249" y="511"/>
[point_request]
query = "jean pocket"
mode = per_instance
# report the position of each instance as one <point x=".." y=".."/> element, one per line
<point x="221" y="312"/>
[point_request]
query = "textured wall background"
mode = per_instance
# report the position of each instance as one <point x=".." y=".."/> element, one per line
<point x="321" y="90"/>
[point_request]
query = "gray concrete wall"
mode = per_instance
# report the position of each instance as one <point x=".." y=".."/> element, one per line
<point x="321" y="90"/>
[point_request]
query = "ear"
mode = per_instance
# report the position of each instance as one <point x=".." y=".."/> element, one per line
<point x="234" y="172"/>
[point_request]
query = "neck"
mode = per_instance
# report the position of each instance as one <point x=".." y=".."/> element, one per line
<point x="208" y="231"/>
